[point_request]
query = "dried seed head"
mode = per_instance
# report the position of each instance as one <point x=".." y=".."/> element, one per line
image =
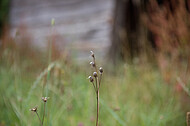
<point x="34" y="109"/>
<point x="91" y="78"/>
<point x="45" y="99"/>
<point x="92" y="54"/>
<point x="101" y="70"/>
<point x="95" y="74"/>
<point x="92" y="63"/>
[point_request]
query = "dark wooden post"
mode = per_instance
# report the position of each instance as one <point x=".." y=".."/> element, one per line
<point x="126" y="30"/>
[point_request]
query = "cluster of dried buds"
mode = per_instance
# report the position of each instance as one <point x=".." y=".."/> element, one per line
<point x="97" y="74"/>
<point x="44" y="99"/>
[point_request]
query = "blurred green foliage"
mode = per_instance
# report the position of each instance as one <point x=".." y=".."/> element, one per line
<point x="133" y="96"/>
<point x="4" y="11"/>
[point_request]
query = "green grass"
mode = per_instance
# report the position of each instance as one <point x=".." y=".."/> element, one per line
<point x="133" y="96"/>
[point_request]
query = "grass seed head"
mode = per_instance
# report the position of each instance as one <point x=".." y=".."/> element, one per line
<point x="34" y="109"/>
<point x="45" y="99"/>
<point x="92" y="54"/>
<point x="92" y="64"/>
<point x="101" y="70"/>
<point x="95" y="74"/>
<point x="90" y="78"/>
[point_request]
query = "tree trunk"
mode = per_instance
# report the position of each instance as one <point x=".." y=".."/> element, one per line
<point x="126" y="30"/>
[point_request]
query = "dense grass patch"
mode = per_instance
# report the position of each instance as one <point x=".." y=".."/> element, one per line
<point x="133" y="96"/>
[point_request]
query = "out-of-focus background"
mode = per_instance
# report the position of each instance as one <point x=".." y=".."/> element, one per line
<point x="76" y="22"/>
<point x="143" y="46"/>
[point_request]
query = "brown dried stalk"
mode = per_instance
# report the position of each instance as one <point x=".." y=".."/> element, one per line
<point x="35" y="110"/>
<point x="97" y="76"/>
<point x="44" y="99"/>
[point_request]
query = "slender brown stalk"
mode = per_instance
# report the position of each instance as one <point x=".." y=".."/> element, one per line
<point x="97" y="94"/>
<point x="95" y="66"/>
<point x="39" y="118"/>
<point x="100" y="80"/>
<point x="44" y="113"/>
<point x="97" y="75"/>
<point x="44" y="99"/>
<point x="94" y="86"/>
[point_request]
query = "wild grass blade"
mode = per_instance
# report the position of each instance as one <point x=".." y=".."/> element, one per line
<point x="115" y="116"/>
<point x="37" y="81"/>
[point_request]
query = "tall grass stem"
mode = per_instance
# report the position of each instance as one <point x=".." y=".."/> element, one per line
<point x="39" y="118"/>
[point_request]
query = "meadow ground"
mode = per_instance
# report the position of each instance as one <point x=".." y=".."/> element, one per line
<point x="132" y="95"/>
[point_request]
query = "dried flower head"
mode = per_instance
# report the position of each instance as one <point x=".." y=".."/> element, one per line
<point x="92" y="54"/>
<point x="91" y="78"/>
<point x="34" y="109"/>
<point x="95" y="74"/>
<point x="101" y="70"/>
<point x="92" y="63"/>
<point x="45" y="99"/>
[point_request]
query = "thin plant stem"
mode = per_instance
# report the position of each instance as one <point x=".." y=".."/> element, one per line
<point x="95" y="65"/>
<point x="100" y="80"/>
<point x="97" y="94"/>
<point x="183" y="86"/>
<point x="96" y="83"/>
<point x="94" y="86"/>
<point x="39" y="118"/>
<point x="49" y="56"/>
<point x="44" y="113"/>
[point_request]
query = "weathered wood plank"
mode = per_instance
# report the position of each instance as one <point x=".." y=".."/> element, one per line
<point x="77" y="21"/>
